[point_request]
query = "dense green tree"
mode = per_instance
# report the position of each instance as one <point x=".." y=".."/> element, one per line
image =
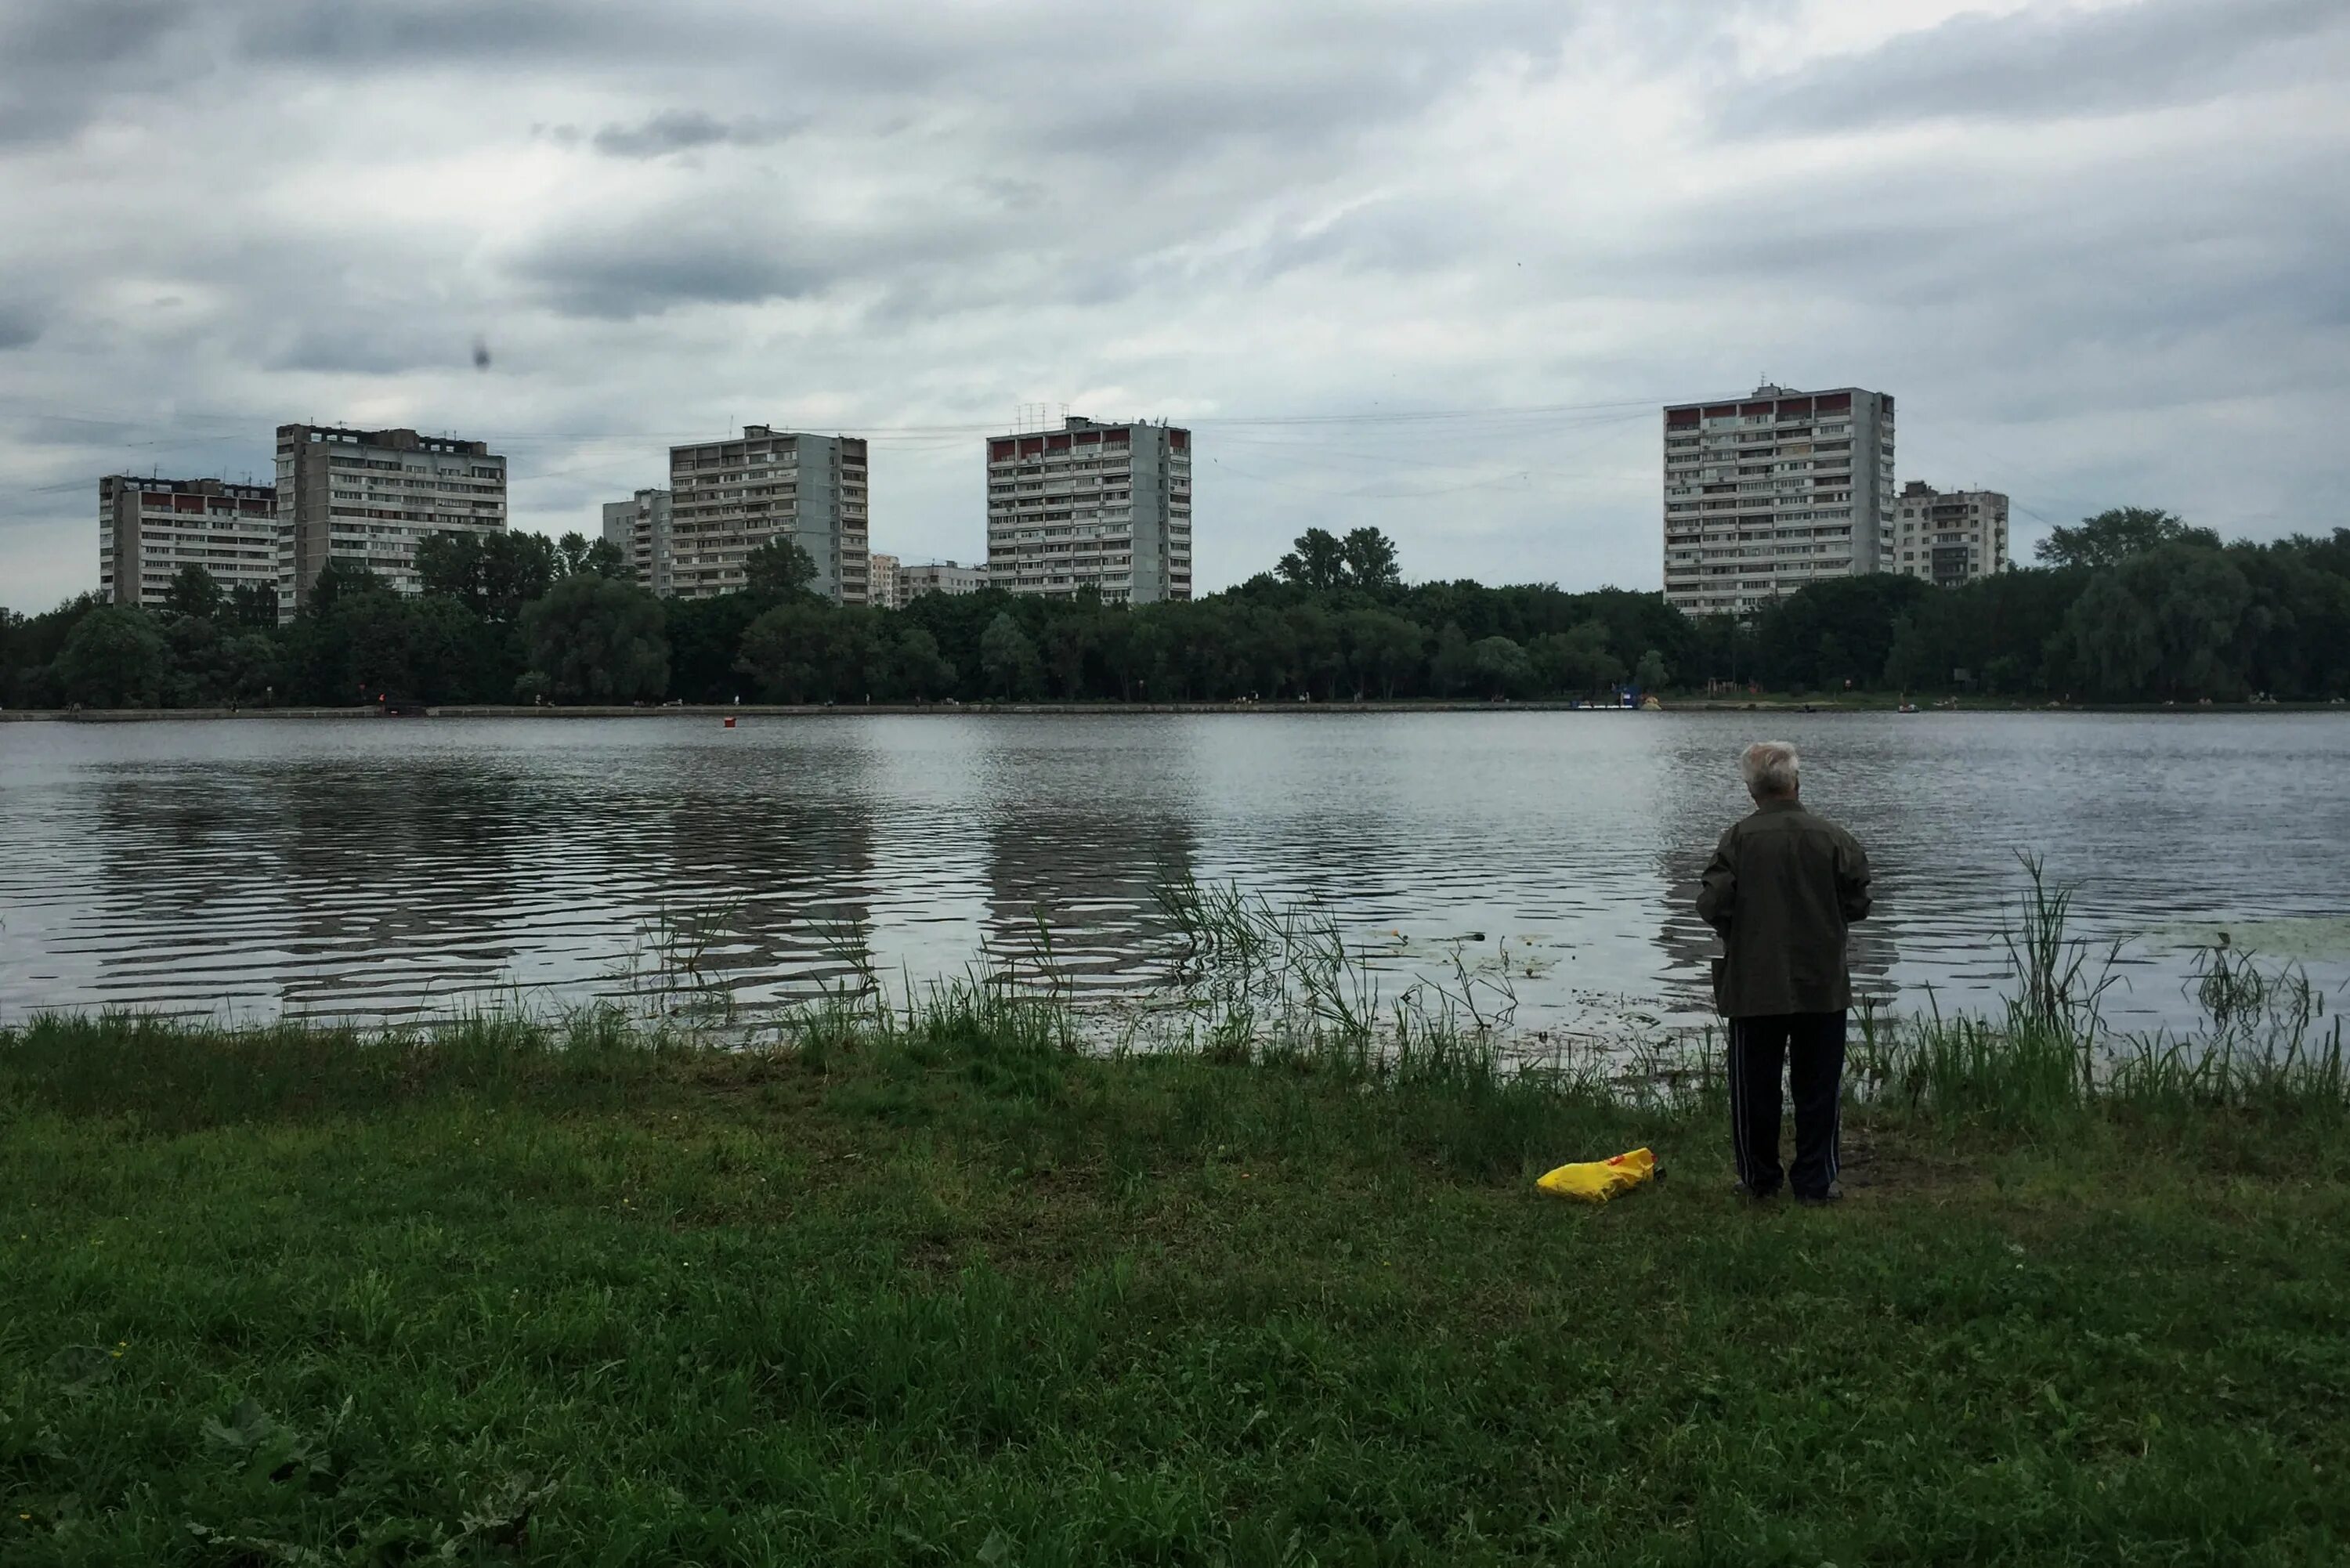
<point x="2170" y="613"/>
<point x="194" y="591"/>
<point x="369" y="644"/>
<point x="1383" y="651"/>
<point x="253" y="606"/>
<point x="115" y="657"/>
<point x="918" y="670"/>
<point x="597" y="640"/>
<point x="1068" y="646"/>
<point x="1007" y="659"/>
<point x="2297" y="638"/>
<point x="1319" y="657"/>
<point x="2001" y="634"/>
<point x="857" y="655"/>
<point x="2115" y="644"/>
<point x="517" y="567"/>
<point x="2113" y="535"/>
<point x="1364" y="559"/>
<point x="1499" y="667"/>
<point x="451" y="564"/>
<point x="1319" y="561"/>
<point x="1575" y="662"/>
<point x="493" y="574"/>
<point x="29" y="646"/>
<point x="778" y="569"/>
<point x="216" y="666"/>
<point x="1833" y="631"/>
<point x="705" y="642"/>
<point x="575" y="555"/>
<point x="1136" y="654"/>
<point x="333" y="583"/>
<point x="1454" y="667"/>
<point x="1370" y="560"/>
<point x="604" y="559"/>
<point x="786" y="652"/>
<point x="2197" y="601"/>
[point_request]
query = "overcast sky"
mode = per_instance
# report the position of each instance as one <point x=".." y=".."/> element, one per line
<point x="1425" y="267"/>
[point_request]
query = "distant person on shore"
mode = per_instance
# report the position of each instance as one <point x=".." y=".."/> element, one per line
<point x="1782" y="889"/>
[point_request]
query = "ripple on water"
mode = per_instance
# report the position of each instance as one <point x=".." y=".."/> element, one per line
<point x="386" y="870"/>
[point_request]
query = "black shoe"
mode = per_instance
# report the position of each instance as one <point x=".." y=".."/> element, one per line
<point x="1834" y="1194"/>
<point x="1739" y="1190"/>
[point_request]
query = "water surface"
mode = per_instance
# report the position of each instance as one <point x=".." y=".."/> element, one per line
<point x="382" y="869"/>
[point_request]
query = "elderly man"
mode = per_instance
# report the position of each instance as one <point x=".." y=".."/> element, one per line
<point x="1782" y="889"/>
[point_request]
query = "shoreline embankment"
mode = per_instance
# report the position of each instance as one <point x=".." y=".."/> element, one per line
<point x="1096" y="710"/>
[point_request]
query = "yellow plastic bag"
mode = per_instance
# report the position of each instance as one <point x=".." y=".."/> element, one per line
<point x="1597" y="1180"/>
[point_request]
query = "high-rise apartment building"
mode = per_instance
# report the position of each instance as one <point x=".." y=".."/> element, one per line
<point x="150" y="528"/>
<point x="1949" y="537"/>
<point x="1107" y="506"/>
<point x="937" y="577"/>
<point x="1767" y="493"/>
<point x="365" y="499"/>
<point x="639" y="528"/>
<point x="881" y="581"/>
<point x="729" y="497"/>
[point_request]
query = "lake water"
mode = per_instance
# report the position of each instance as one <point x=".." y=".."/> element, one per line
<point x="382" y="869"/>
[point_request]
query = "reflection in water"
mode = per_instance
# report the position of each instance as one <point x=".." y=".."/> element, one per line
<point x="1088" y="822"/>
<point x="379" y="868"/>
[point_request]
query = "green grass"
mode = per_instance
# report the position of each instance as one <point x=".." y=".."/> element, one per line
<point x="945" y="1291"/>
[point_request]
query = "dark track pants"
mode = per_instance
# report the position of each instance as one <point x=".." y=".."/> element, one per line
<point x="1812" y="1046"/>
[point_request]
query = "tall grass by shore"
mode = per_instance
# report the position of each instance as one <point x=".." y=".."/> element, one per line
<point x="947" y="1278"/>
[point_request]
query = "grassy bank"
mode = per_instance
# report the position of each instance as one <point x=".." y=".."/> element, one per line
<point x="937" y="1288"/>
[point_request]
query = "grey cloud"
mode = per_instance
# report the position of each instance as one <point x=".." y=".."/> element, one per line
<point x="681" y="131"/>
<point x="337" y="347"/>
<point x="382" y="37"/>
<point x="2033" y="65"/>
<point x="651" y="268"/>
<point x="59" y="58"/>
<point x="18" y="327"/>
<point x="69" y="35"/>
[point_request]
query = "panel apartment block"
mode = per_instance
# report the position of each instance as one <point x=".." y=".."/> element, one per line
<point x="729" y="497"/>
<point x="639" y="528"/>
<point x="1767" y="493"/>
<point x="365" y="499"/>
<point x="149" y="528"/>
<point x="937" y="577"/>
<point x="1107" y="506"/>
<point x="882" y="580"/>
<point x="1949" y="536"/>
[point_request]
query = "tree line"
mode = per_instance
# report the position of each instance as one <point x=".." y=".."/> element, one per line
<point x="2131" y="605"/>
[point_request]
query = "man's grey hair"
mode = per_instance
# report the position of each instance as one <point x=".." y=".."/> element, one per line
<point x="1771" y="768"/>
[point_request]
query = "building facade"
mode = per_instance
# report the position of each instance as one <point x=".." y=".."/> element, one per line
<point x="1949" y="537"/>
<point x="150" y="528"/>
<point x="639" y="528"/>
<point x="937" y="577"/>
<point x="365" y="499"/>
<point x="729" y="497"/>
<point x="881" y="581"/>
<point x="1101" y="505"/>
<point x="1769" y="491"/>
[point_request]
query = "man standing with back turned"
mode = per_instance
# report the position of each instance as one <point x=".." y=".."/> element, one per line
<point x="1782" y="889"/>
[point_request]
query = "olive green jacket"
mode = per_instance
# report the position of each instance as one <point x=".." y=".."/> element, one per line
<point x="1782" y="889"/>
